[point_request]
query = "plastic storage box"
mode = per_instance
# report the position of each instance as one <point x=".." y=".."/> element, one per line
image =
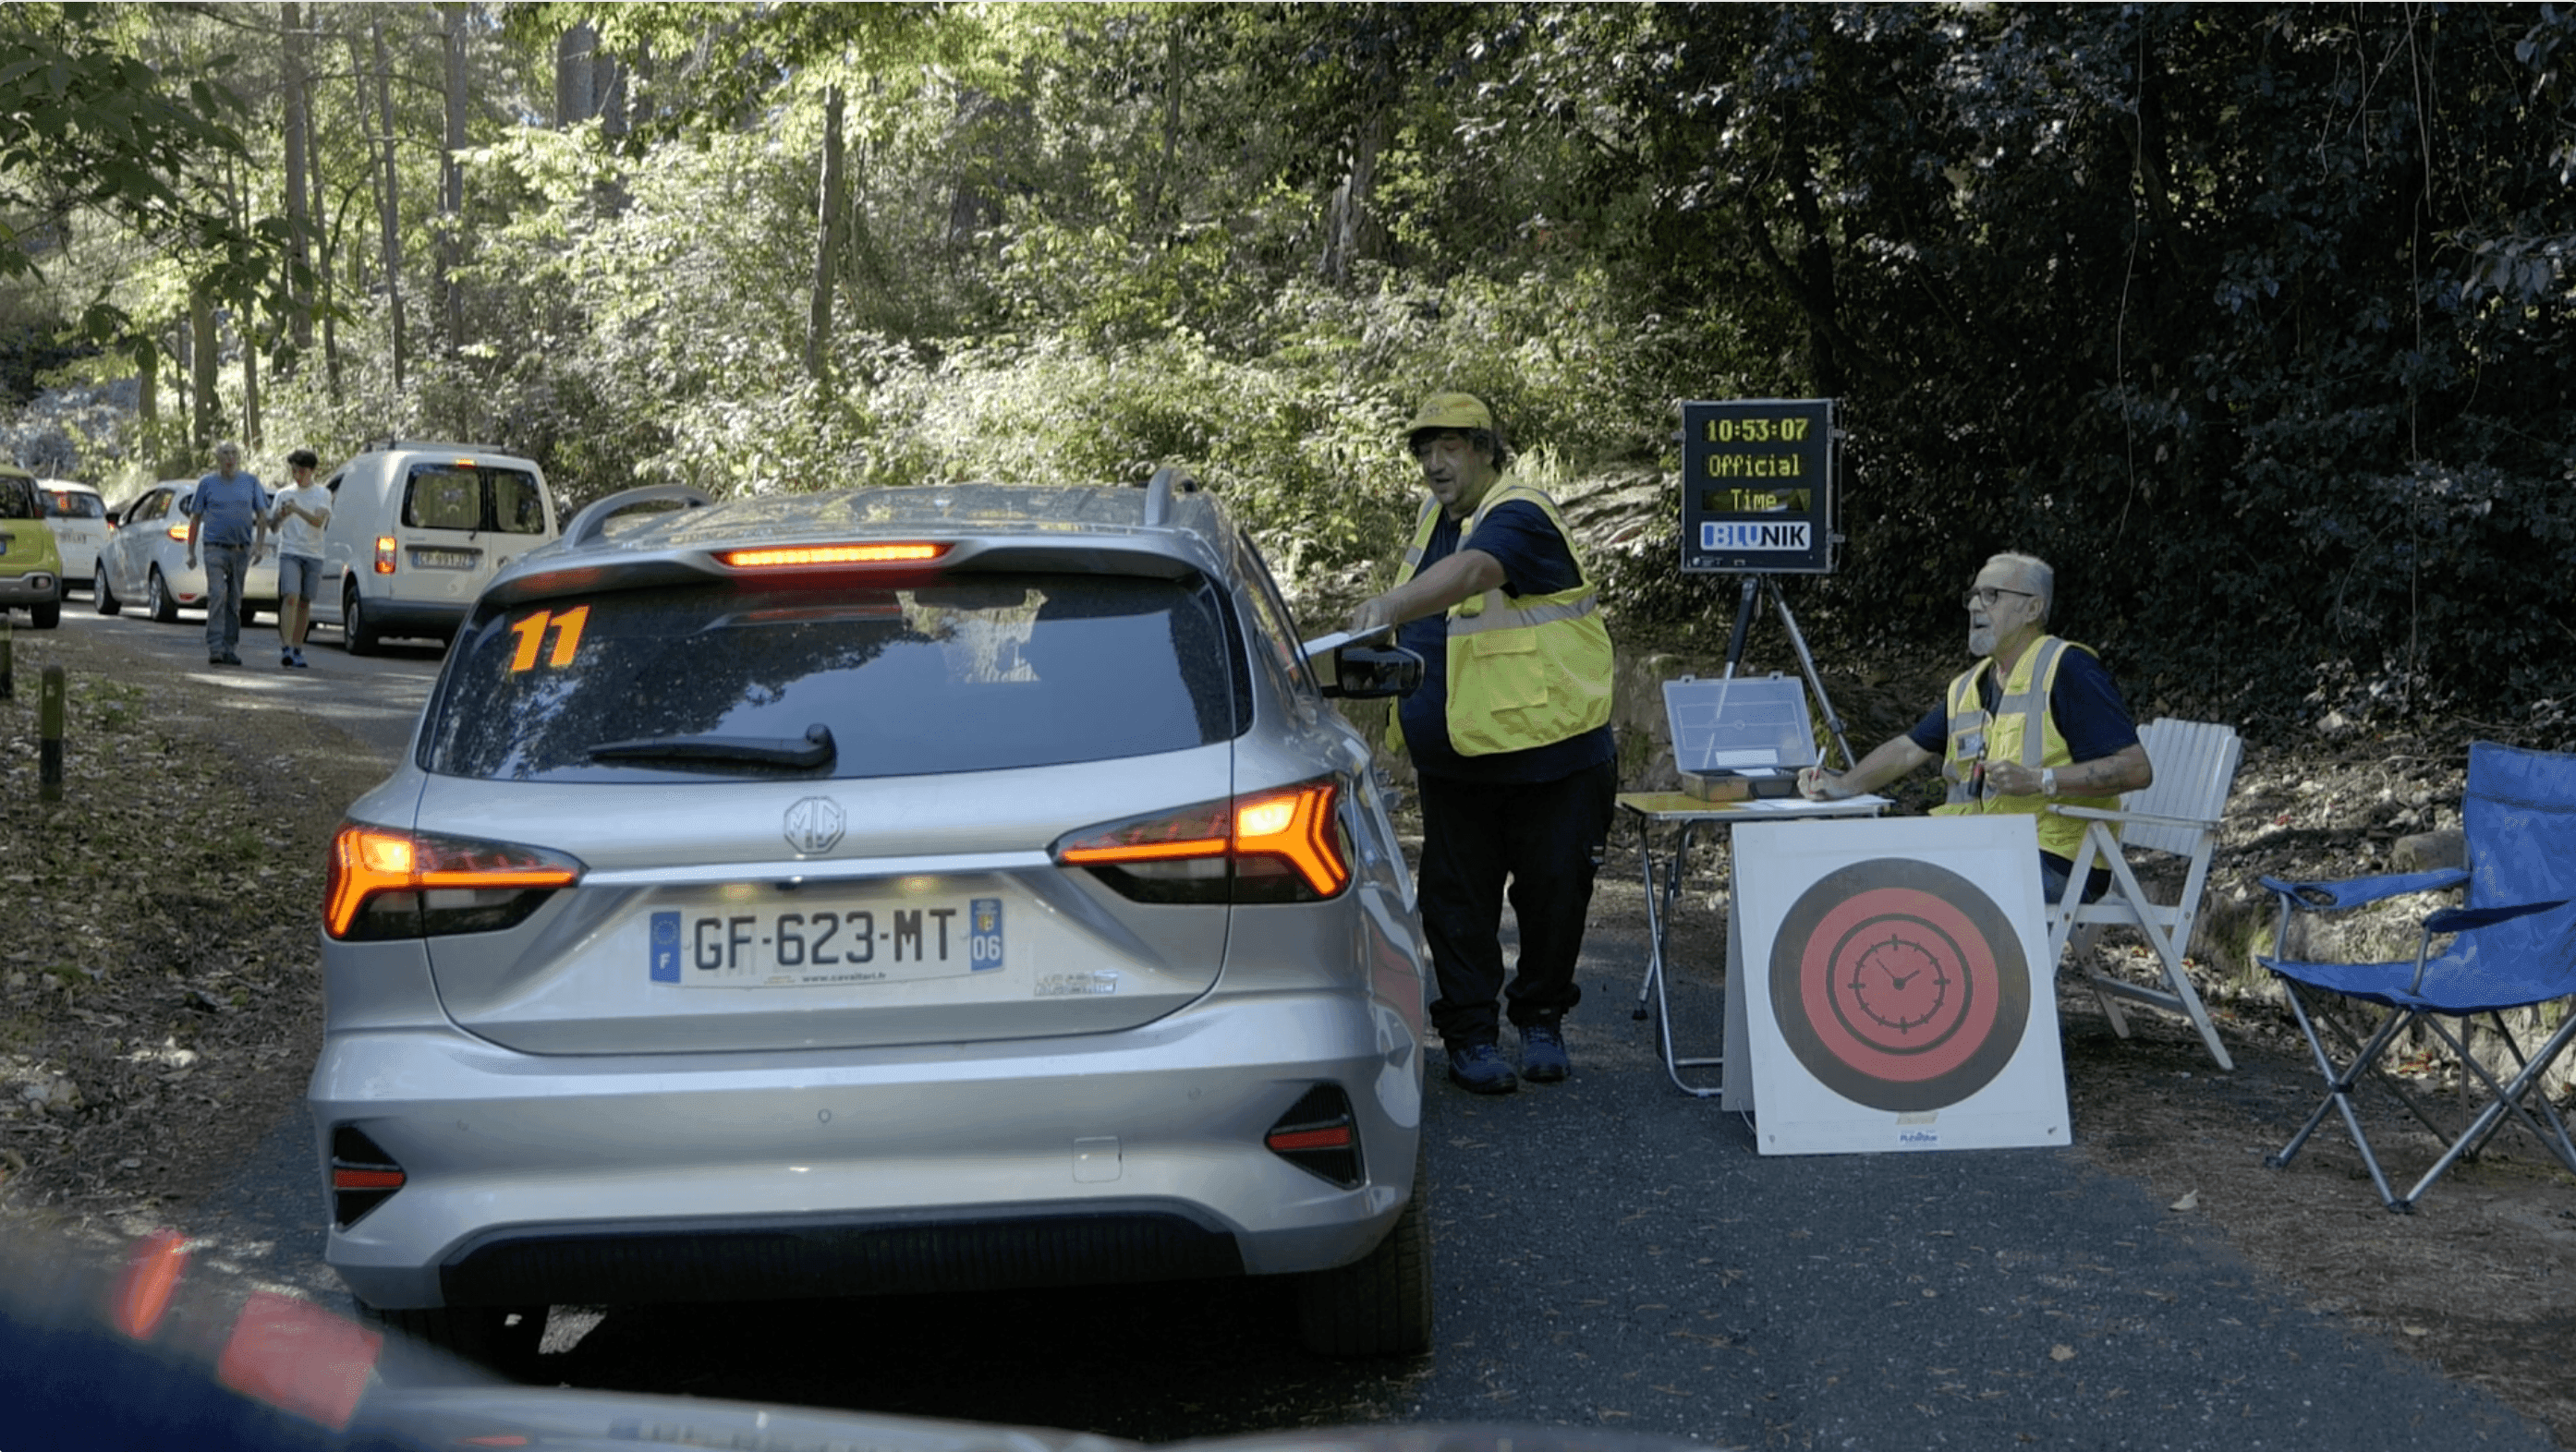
<point x="1747" y="736"/>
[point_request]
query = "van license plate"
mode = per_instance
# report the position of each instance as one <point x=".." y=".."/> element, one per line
<point x="444" y="559"/>
<point x="820" y="946"/>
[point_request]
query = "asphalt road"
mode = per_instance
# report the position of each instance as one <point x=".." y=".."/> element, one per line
<point x="375" y="699"/>
<point x="1608" y="1252"/>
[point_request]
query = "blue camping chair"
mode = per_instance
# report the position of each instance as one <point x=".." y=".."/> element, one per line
<point x="2512" y="944"/>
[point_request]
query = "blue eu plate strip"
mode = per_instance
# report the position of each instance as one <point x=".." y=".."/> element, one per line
<point x="665" y="947"/>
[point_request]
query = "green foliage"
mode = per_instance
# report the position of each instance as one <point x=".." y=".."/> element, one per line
<point x="2252" y="319"/>
<point x="2247" y="319"/>
<point x="87" y="125"/>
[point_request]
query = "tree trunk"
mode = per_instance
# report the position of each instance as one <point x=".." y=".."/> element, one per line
<point x="623" y="98"/>
<point x="299" y="215"/>
<point x="317" y="212"/>
<point x="1352" y="231"/>
<point x="831" y="227"/>
<point x="203" y="359"/>
<point x="576" y="74"/>
<point x="1167" y="188"/>
<point x="147" y="403"/>
<point x="250" y="377"/>
<point x="389" y="198"/>
<point x="451" y="191"/>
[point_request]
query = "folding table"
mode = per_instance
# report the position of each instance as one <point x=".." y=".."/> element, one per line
<point x="1687" y="815"/>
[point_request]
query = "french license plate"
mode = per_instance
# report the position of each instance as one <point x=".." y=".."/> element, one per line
<point x="825" y="945"/>
<point x="444" y="559"/>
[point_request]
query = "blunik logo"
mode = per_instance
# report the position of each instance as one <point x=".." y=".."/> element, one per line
<point x="814" y="824"/>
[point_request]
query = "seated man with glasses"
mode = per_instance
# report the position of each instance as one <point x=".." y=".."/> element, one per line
<point x="2036" y="721"/>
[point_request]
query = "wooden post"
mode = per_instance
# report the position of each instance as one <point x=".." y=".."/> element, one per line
<point x="49" y="721"/>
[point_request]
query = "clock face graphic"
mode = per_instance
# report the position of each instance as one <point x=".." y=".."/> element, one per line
<point x="1899" y="984"/>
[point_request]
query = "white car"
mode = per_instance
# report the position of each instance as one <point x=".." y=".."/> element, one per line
<point x="146" y="560"/>
<point x="78" y="518"/>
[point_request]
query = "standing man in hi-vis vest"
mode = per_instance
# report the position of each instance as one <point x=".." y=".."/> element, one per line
<point x="1510" y="737"/>
<point x="2035" y="722"/>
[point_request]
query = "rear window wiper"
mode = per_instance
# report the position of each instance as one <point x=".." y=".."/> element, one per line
<point x="814" y="750"/>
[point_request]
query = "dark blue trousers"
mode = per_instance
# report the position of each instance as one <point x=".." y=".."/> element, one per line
<point x="1540" y="843"/>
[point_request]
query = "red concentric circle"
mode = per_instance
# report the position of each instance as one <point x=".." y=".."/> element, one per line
<point x="1899" y="984"/>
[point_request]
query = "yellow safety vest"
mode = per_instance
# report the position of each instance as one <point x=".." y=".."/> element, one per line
<point x="2007" y="736"/>
<point x="1526" y="672"/>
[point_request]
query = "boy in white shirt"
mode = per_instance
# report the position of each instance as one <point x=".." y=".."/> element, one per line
<point x="299" y="516"/>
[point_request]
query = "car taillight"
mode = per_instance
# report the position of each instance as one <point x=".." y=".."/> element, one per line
<point x="386" y="548"/>
<point x="388" y="884"/>
<point x="179" y="532"/>
<point x="1274" y="846"/>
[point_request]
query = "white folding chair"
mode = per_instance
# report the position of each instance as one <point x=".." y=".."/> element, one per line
<point x="2195" y="764"/>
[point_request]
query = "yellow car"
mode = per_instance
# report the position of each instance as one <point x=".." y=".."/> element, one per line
<point x="31" y="567"/>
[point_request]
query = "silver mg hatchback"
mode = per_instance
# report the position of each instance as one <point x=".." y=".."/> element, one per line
<point x="889" y="891"/>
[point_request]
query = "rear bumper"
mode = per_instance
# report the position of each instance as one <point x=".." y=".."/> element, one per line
<point x="1110" y="1158"/>
<point x="33" y="587"/>
<point x="388" y="616"/>
<point x="752" y="1258"/>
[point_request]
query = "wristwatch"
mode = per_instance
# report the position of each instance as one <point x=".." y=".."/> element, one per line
<point x="2048" y="782"/>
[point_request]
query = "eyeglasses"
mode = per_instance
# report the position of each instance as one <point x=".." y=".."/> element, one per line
<point x="1985" y="595"/>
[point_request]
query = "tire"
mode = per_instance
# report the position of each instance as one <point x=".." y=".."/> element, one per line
<point x="247" y="612"/>
<point x="103" y="595"/>
<point x="48" y="615"/>
<point x="500" y="1339"/>
<point x="357" y="636"/>
<point x="1380" y="1304"/>
<point x="156" y="595"/>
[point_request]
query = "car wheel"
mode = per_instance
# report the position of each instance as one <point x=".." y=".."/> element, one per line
<point x="103" y="595"/>
<point x="156" y="596"/>
<point x="356" y="636"/>
<point x="247" y="612"/>
<point x="502" y="1339"/>
<point x="49" y="614"/>
<point x="1379" y="1305"/>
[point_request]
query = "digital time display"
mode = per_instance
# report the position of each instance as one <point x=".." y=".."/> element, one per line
<point x="1757" y="491"/>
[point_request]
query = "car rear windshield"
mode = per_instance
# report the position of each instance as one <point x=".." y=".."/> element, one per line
<point x="74" y="504"/>
<point x="975" y="674"/>
<point x="18" y="499"/>
<point x="465" y="496"/>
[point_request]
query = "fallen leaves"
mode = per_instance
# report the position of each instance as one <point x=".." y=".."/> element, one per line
<point x="160" y="924"/>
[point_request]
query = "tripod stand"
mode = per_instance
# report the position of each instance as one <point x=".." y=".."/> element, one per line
<point x="1756" y="586"/>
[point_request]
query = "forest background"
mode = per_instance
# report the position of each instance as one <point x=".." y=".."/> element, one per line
<point x="2254" y="319"/>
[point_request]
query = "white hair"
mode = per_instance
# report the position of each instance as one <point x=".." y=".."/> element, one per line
<point x="2035" y="573"/>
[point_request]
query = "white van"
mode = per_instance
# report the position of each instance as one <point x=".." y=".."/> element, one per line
<point x="417" y="530"/>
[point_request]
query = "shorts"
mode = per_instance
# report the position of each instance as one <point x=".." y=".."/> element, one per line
<point x="298" y="576"/>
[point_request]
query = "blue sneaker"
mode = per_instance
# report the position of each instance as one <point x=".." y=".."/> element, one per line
<point x="1543" y="1059"/>
<point x="1479" y="1069"/>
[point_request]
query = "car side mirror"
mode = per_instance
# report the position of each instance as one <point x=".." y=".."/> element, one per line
<point x="1369" y="672"/>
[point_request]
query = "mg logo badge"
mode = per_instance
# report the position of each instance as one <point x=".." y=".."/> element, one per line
<point x="814" y="824"/>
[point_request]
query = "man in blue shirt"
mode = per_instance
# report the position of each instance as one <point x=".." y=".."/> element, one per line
<point x="2035" y="722"/>
<point x="228" y="523"/>
<point x="1509" y="735"/>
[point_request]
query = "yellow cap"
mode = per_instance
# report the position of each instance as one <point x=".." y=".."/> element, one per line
<point x="1452" y="411"/>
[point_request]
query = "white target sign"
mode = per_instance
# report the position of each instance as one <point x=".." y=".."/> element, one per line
<point x="1888" y="984"/>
